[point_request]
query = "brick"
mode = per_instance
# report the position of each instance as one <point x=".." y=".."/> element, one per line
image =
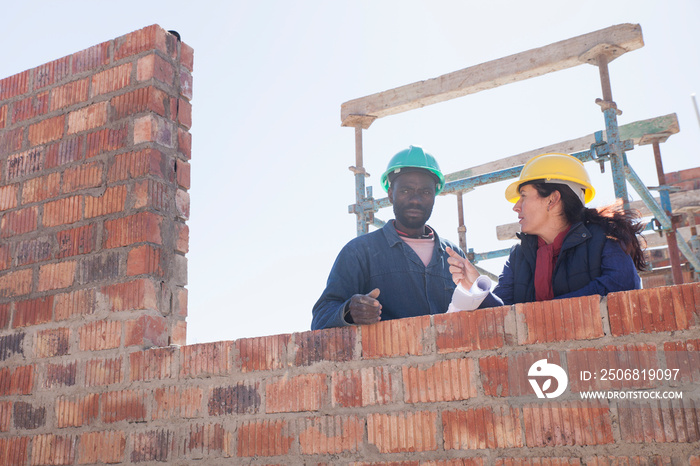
<point x="179" y="270"/>
<point x="184" y="113"/>
<point x="658" y="421"/>
<point x="11" y="141"/>
<point x="152" y="446"/>
<point x="15" y="85"/>
<point x="206" y="439"/>
<point x="178" y="403"/>
<point x="185" y="84"/>
<point x="30" y="107"/>
<point x="33" y="312"/>
<point x="41" y="188"/>
<point x="52" y="342"/>
<point x="76" y="241"/>
<point x="363" y="387"/>
<point x="187" y="56"/>
<point x="101" y="372"/>
<point x="683" y="357"/>
<point x="264" y="438"/>
<point x="16" y="381"/>
<point x="76" y="411"/>
<point x="32" y="251"/>
<point x="5" y="416"/>
<point x="182" y="234"/>
<point x="46" y="130"/>
<point x="100" y="335"/>
<point x="11" y="345"/>
<point x="76" y="303"/>
<point x="330" y="434"/>
<point x="449" y="380"/>
<point x="263" y="353"/>
<point x="90" y="117"/>
<point x="396" y="338"/>
<point x="134" y="165"/>
<point x="4" y="322"/>
<point x="145" y="99"/>
<point x="184" y="143"/>
<point x="63" y="152"/>
<point x="559" y="320"/>
<point x="69" y="94"/>
<point x="82" y="177"/>
<point x="388" y="432"/>
<point x="111" y="79"/>
<point x="144" y="259"/>
<point x="567" y="423"/>
<point x="56" y="276"/>
<point x="623" y="358"/>
<point x="134" y="295"/>
<point x="481" y="428"/>
<point x="60" y="375"/>
<point x="23" y="164"/>
<point x="53" y="449"/>
<point x="182" y="204"/>
<point x="52" y="72"/>
<point x="101" y="447"/>
<point x="100" y="267"/>
<point x="282" y="393"/>
<point x="205" y="360"/>
<point x="153" y="66"/>
<point x="14" y="451"/>
<point x="106" y="140"/>
<point x="152" y="128"/>
<point x="3" y="116"/>
<point x="146" y="332"/>
<point x="154" y="364"/>
<point x="125" y="405"/>
<point x="93" y="57"/>
<point x="469" y="331"/>
<point x="19" y="222"/>
<point x="137" y="228"/>
<point x="16" y="283"/>
<point x="28" y="417"/>
<point x="151" y="193"/>
<point x="641" y="311"/>
<point x="149" y="38"/>
<point x="63" y="211"/>
<point x="5" y="262"/>
<point x="178" y="333"/>
<point x="182" y="171"/>
<point x="335" y="344"/>
<point x="508" y="376"/>
<point x="241" y="398"/>
<point x="547" y="461"/>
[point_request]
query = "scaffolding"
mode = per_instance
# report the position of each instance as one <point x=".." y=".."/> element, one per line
<point x="597" y="48"/>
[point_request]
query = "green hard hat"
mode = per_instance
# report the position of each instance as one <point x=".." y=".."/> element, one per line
<point x="413" y="157"/>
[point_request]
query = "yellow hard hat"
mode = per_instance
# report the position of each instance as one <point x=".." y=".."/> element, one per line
<point x="552" y="168"/>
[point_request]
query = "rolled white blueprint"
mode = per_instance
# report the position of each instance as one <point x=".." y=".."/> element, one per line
<point x="468" y="300"/>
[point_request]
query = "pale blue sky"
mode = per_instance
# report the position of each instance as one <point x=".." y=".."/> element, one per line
<point x="270" y="185"/>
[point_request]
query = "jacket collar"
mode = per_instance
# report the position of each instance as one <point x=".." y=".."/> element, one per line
<point x="576" y="235"/>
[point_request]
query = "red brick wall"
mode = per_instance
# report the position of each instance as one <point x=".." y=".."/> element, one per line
<point x="94" y="160"/>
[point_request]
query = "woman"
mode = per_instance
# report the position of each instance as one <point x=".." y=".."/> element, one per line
<point x="566" y="250"/>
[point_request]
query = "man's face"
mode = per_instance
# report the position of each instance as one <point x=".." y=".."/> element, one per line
<point x="412" y="195"/>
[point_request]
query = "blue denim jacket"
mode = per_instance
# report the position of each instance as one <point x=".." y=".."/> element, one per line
<point x="382" y="260"/>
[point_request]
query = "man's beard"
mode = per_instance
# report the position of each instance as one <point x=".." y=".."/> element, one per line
<point x="412" y="222"/>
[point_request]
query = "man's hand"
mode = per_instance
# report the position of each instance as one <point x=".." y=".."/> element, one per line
<point x="463" y="272"/>
<point x="364" y="308"/>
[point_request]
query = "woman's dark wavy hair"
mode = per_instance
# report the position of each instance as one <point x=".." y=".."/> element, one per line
<point x="622" y="225"/>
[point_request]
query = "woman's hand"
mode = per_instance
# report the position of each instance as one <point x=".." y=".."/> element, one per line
<point x="463" y="272"/>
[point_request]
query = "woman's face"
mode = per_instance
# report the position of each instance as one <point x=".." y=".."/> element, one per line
<point x="532" y="211"/>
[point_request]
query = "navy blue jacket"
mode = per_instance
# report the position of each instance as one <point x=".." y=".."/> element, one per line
<point x="589" y="263"/>
<point x="381" y="259"/>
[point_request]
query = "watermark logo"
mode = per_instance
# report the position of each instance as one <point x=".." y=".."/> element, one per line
<point x="542" y="370"/>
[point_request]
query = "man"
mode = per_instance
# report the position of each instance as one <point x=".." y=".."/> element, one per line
<point x="400" y="270"/>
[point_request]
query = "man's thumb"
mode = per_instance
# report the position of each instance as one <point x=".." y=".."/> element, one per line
<point x="374" y="293"/>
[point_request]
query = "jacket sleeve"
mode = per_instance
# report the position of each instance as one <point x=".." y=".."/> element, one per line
<point x="345" y="279"/>
<point x="618" y="273"/>
<point x="502" y="295"/>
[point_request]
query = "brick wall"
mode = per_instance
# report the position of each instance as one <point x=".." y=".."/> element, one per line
<point x="94" y="154"/>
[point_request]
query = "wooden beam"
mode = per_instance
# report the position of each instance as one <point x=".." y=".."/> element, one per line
<point x="612" y="41"/>
<point x="637" y="131"/>
<point x="679" y="200"/>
